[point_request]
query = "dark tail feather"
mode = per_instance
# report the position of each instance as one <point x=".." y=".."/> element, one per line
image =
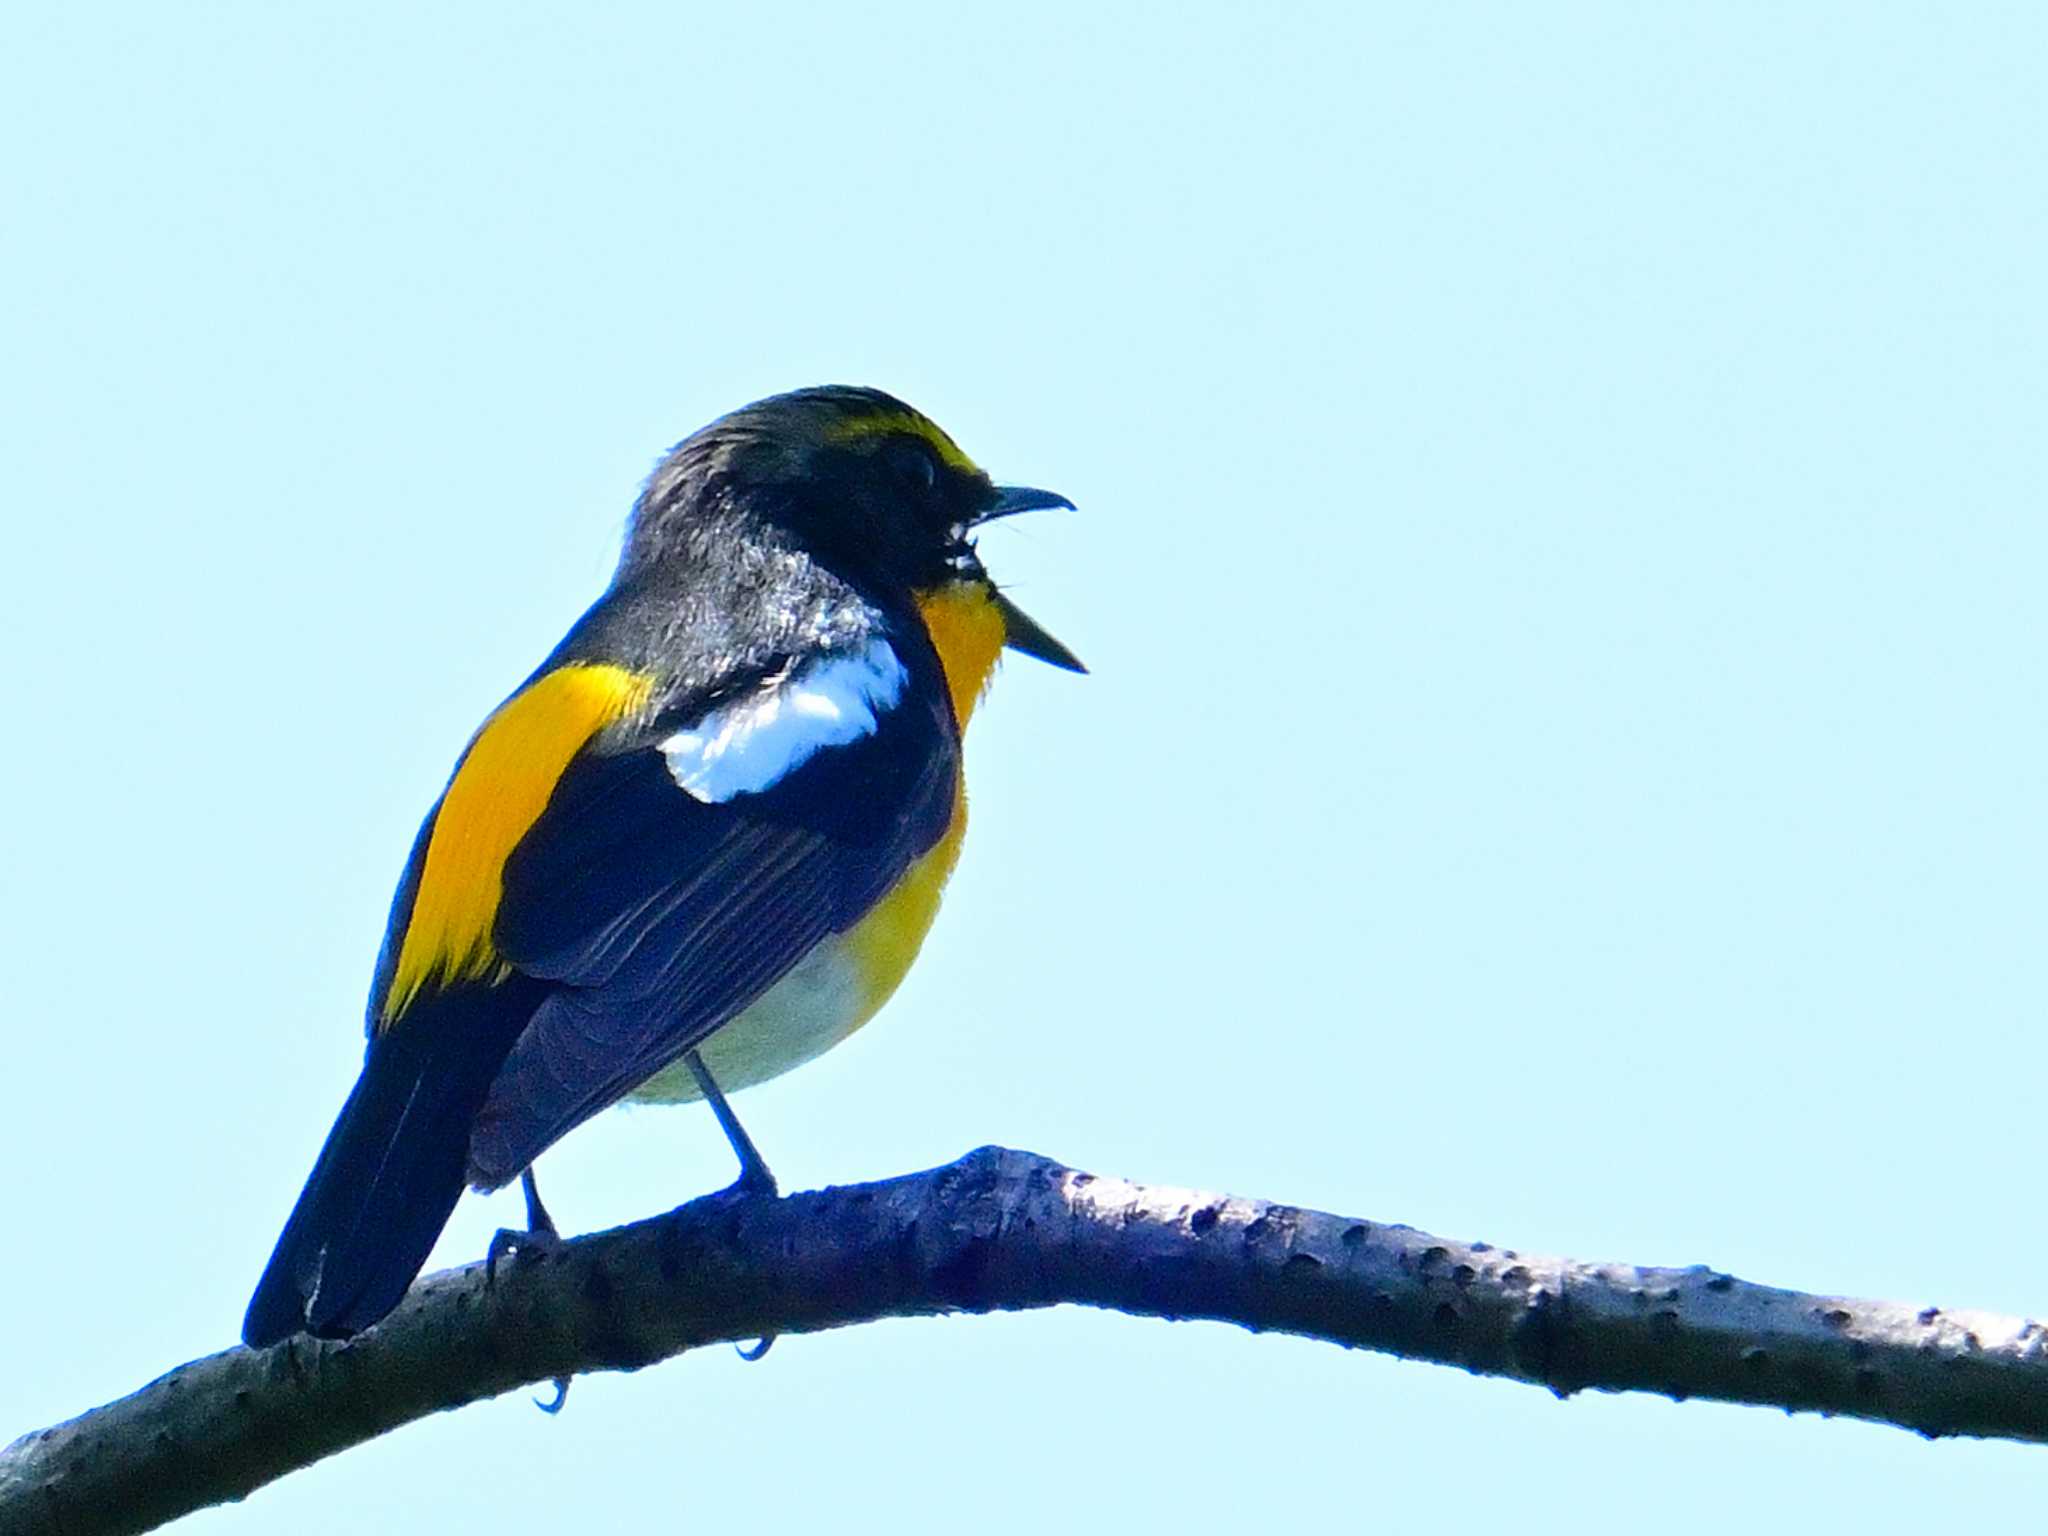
<point x="391" y="1172"/>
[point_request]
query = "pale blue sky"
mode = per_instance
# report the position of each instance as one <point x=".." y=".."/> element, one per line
<point x="1560" y="552"/>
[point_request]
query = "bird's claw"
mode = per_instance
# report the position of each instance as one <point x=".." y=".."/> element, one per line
<point x="561" y="1397"/>
<point x="755" y="1183"/>
<point x="507" y="1243"/>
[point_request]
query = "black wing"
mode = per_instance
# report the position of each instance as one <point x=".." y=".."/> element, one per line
<point x="660" y="916"/>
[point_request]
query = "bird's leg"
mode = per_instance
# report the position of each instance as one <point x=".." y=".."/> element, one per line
<point x="541" y="1234"/>
<point x="754" y="1175"/>
<point x="537" y="1217"/>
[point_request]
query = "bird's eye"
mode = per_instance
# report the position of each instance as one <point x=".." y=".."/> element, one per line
<point x="914" y="463"/>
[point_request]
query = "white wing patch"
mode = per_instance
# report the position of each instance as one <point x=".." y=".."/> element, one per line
<point x="743" y="747"/>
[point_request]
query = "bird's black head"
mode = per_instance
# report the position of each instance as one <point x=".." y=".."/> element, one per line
<point x="872" y="489"/>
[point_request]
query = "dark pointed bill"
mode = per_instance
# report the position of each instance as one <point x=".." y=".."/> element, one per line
<point x="1021" y="632"/>
<point x="1012" y="499"/>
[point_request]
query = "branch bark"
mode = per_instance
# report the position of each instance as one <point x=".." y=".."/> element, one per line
<point x="1004" y="1230"/>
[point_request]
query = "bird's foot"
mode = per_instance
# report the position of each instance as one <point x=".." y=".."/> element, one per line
<point x="509" y="1243"/>
<point x="540" y="1240"/>
<point x="743" y="1191"/>
<point x="754" y="1183"/>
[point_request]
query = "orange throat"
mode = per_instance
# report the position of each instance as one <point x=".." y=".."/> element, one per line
<point x="966" y="629"/>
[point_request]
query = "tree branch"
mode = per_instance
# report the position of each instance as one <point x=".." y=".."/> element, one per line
<point x="1003" y="1230"/>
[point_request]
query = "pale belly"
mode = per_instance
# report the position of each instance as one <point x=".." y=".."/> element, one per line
<point x="830" y="993"/>
<point x="805" y="1014"/>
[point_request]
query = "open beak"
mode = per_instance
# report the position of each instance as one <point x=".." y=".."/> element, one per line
<point x="1021" y="632"/>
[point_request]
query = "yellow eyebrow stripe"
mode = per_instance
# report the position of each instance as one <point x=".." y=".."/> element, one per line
<point x="909" y="423"/>
<point x="496" y="796"/>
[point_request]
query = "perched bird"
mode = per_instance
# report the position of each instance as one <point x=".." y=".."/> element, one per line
<point x="700" y="845"/>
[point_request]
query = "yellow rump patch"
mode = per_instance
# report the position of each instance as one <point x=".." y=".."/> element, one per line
<point x="908" y="423"/>
<point x="498" y="793"/>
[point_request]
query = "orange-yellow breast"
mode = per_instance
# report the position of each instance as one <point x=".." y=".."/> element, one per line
<point x="967" y="632"/>
<point x="497" y="794"/>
